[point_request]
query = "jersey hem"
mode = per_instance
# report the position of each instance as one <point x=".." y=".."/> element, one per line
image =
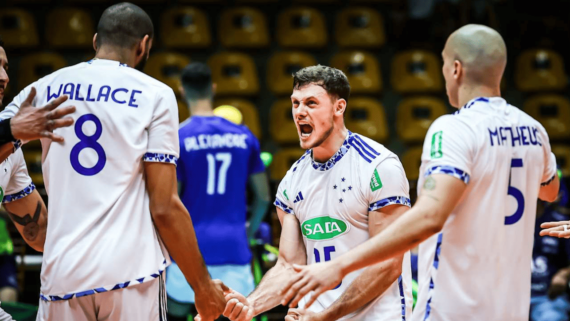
<point x="160" y="158"/>
<point x="449" y="170"/>
<point x="108" y="288"/>
<point x="21" y="194"/>
<point x="401" y="200"/>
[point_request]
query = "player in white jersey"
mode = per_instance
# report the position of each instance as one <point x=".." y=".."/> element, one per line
<point x="482" y="172"/>
<point x="345" y="188"/>
<point x="110" y="181"/>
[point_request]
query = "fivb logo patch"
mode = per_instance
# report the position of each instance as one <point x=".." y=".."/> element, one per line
<point x="324" y="228"/>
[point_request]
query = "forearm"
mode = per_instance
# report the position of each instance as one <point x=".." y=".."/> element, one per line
<point x="405" y="233"/>
<point x="29" y="215"/>
<point x="369" y="285"/>
<point x="265" y="296"/>
<point x="177" y="233"/>
<point x="258" y="211"/>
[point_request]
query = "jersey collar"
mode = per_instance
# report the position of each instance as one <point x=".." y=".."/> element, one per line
<point x="105" y="62"/>
<point x="343" y="150"/>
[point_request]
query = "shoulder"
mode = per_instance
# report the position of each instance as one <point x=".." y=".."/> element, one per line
<point x="149" y="81"/>
<point x="366" y="151"/>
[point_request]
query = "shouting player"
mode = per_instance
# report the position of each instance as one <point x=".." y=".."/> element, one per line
<point x="345" y="189"/>
<point x="218" y="159"/>
<point x="482" y="170"/>
<point x="103" y="257"/>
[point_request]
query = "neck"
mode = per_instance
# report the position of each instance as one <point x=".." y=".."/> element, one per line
<point x="331" y="145"/>
<point x="122" y="55"/>
<point x="467" y="93"/>
<point x="201" y="107"/>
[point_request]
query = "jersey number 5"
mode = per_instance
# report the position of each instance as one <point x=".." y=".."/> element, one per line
<point x="88" y="142"/>
<point x="516" y="193"/>
<point x="226" y="159"/>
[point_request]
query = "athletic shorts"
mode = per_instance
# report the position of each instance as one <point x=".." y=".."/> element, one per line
<point x="140" y="302"/>
<point x="8" y="272"/>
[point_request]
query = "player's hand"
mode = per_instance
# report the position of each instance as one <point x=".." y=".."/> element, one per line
<point x="210" y="302"/>
<point x="32" y="123"/>
<point x="318" y="277"/>
<point x="303" y="315"/>
<point x="556" y="229"/>
<point x="238" y="307"/>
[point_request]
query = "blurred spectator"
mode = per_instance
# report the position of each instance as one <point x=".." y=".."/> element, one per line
<point x="550" y="265"/>
<point x="217" y="161"/>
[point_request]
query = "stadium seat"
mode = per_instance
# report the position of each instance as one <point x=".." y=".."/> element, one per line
<point x="69" y="28"/>
<point x="317" y="1"/>
<point x="412" y="160"/>
<point x="301" y="27"/>
<point x="257" y="1"/>
<point x="248" y="111"/>
<point x="360" y="28"/>
<point x="361" y="69"/>
<point x="282" y="66"/>
<point x="18" y="28"/>
<point x="283" y="160"/>
<point x="166" y="67"/>
<point x="38" y="65"/>
<point x="539" y="70"/>
<point x="366" y="116"/>
<point x="185" y="27"/>
<point x="183" y="111"/>
<point x="234" y="74"/>
<point x="243" y="28"/>
<point x="415" y="115"/>
<point x="33" y="158"/>
<point x="553" y="112"/>
<point x="562" y="153"/>
<point x="283" y="129"/>
<point x="416" y="71"/>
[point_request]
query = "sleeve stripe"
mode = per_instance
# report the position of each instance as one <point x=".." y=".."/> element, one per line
<point x="449" y="170"/>
<point x="160" y="158"/>
<point x="548" y="181"/>
<point x="282" y="206"/>
<point x="21" y="194"/>
<point x="402" y="200"/>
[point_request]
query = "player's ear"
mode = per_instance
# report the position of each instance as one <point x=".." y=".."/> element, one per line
<point x="340" y="106"/>
<point x="181" y="90"/>
<point x="95" y="42"/>
<point x="457" y="69"/>
<point x="143" y="47"/>
<point x="214" y="88"/>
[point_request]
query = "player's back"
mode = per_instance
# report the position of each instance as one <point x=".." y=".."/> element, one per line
<point x="478" y="266"/>
<point x="100" y="233"/>
<point x="216" y="159"/>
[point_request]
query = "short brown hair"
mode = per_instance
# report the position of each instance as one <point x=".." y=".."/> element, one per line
<point x="331" y="79"/>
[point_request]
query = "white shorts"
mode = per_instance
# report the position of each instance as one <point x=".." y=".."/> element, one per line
<point x="140" y="302"/>
<point x="237" y="277"/>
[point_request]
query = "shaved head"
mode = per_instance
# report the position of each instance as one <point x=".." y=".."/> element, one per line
<point x="474" y="55"/>
<point x="123" y="25"/>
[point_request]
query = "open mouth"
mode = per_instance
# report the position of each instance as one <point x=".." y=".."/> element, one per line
<point x="306" y="130"/>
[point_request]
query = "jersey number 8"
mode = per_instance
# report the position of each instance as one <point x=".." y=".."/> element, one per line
<point x="88" y="142"/>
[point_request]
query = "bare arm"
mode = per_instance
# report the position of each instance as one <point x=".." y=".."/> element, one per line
<point x="175" y="228"/>
<point x="291" y="251"/>
<point x="440" y="194"/>
<point x="261" y="200"/>
<point x="29" y="214"/>
<point x="549" y="191"/>
<point x="376" y="278"/>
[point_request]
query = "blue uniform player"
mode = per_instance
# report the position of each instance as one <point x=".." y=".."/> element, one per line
<point x="218" y="159"/>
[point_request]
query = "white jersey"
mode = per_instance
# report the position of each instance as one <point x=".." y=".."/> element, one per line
<point x="100" y="235"/>
<point x="478" y="267"/>
<point x="332" y="202"/>
<point x="15" y="182"/>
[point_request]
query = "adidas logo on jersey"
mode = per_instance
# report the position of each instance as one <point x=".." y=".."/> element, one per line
<point x="298" y="198"/>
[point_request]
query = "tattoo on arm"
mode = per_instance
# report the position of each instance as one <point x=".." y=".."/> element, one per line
<point x="30" y="224"/>
<point x="429" y="184"/>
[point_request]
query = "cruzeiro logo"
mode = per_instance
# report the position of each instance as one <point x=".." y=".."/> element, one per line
<point x="436" y="141"/>
<point x="324" y="228"/>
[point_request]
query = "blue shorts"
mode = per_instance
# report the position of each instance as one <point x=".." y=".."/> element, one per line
<point x="237" y="277"/>
<point x="8" y="272"/>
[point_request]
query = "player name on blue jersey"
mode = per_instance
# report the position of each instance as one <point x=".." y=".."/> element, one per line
<point x="94" y="93"/>
<point x="215" y="141"/>
<point x="523" y="135"/>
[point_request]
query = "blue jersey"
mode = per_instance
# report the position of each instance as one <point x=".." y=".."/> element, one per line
<point x="549" y="254"/>
<point x="216" y="159"/>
